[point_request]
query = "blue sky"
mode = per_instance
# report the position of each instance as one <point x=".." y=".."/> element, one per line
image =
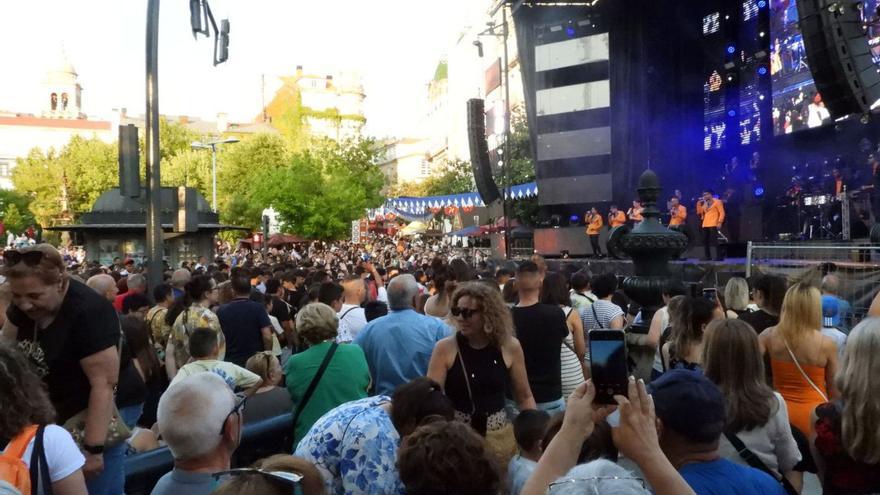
<point x="394" y="44"/>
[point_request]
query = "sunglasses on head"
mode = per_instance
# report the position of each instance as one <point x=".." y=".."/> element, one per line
<point x="285" y="477"/>
<point x="13" y="257"/>
<point x="463" y="312"/>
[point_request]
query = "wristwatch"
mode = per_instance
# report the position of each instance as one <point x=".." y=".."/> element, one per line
<point x="93" y="449"/>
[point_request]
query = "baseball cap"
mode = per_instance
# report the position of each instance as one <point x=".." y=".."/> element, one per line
<point x="689" y="404"/>
<point x="830" y="311"/>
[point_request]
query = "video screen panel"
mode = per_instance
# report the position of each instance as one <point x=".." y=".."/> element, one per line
<point x="751" y="70"/>
<point x="714" y="86"/>
<point x="797" y="104"/>
<point x="871" y="22"/>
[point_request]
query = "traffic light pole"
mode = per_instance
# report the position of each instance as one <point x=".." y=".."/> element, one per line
<point x="155" y="250"/>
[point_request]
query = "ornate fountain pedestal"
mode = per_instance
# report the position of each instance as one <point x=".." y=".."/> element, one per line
<point x="650" y="245"/>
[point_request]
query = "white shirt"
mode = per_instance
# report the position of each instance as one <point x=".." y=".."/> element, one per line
<point x="772" y="442"/>
<point x="352" y="320"/>
<point x="235" y="376"/>
<point x="838" y="337"/>
<point x="62" y="454"/>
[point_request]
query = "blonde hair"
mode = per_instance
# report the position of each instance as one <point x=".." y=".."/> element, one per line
<point x="860" y="392"/>
<point x="736" y="294"/>
<point x="497" y="322"/>
<point x="261" y="364"/>
<point x="317" y="322"/>
<point x="801" y="313"/>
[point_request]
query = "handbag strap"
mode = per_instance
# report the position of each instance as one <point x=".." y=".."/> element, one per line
<point x="803" y="373"/>
<point x="467" y="381"/>
<point x="756" y="462"/>
<point x="39" y="467"/>
<point x="313" y="385"/>
<point x="595" y="315"/>
<point x="347" y="312"/>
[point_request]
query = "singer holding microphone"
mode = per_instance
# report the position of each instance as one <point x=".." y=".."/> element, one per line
<point x="594" y="222"/>
<point x="711" y="211"/>
<point x="635" y="213"/>
<point x="616" y="218"/>
<point x="677" y="214"/>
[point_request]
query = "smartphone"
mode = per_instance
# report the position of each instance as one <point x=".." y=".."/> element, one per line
<point x="710" y="295"/>
<point x="365" y="257"/>
<point x="608" y="364"/>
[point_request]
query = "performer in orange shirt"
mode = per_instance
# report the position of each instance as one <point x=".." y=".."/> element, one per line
<point x="616" y="218"/>
<point x="594" y="228"/>
<point x="711" y="211"/>
<point x="677" y="213"/>
<point x="635" y="213"/>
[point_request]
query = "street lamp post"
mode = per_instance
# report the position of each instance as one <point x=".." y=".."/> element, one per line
<point x="212" y="145"/>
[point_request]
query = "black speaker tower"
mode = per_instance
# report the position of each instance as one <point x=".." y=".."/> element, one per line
<point x="480" y="164"/>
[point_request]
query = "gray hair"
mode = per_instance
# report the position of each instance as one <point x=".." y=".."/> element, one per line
<point x="402" y="291"/>
<point x="831" y="284"/>
<point x="180" y="277"/>
<point x="101" y="283"/>
<point x="136" y="281"/>
<point x="192" y="412"/>
<point x="590" y="475"/>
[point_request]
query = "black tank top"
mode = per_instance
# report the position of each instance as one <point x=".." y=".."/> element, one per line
<point x="488" y="378"/>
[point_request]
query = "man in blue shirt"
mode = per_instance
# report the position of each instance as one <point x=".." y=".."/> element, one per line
<point x="691" y="417"/>
<point x="398" y="346"/>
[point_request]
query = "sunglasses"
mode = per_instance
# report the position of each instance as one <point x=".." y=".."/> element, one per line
<point x="239" y="407"/>
<point x="591" y="485"/>
<point x="13" y="257"/>
<point x="465" y="313"/>
<point x="285" y="477"/>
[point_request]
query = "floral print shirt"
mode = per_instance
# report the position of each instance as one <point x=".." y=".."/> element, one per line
<point x="354" y="446"/>
<point x="190" y="319"/>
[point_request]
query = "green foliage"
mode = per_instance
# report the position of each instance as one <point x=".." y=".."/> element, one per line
<point x="522" y="169"/>
<point x="13" y="219"/>
<point x="318" y="192"/>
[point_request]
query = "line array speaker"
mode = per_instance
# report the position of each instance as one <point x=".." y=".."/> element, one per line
<point x="480" y="151"/>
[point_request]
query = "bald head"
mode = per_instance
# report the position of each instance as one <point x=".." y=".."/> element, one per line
<point x="402" y="292"/>
<point x="103" y="284"/>
<point x="831" y="284"/>
<point x="354" y="290"/>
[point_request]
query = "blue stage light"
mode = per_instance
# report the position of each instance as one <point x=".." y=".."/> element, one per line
<point x="762" y="70"/>
<point x="731" y="49"/>
<point x="569" y="31"/>
<point x="762" y="4"/>
<point x="574" y="218"/>
<point x="759" y="191"/>
<point x="731" y="113"/>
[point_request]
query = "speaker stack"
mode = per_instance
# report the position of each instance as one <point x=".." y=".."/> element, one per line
<point x="480" y="163"/>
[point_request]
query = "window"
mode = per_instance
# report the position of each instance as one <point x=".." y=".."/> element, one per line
<point x="5" y="168"/>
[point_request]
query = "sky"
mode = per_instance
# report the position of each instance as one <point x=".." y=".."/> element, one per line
<point x="394" y="44"/>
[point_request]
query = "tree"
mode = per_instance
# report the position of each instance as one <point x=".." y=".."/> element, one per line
<point x="522" y="169"/>
<point x="13" y="219"/>
<point x="319" y="191"/>
<point x="21" y="204"/>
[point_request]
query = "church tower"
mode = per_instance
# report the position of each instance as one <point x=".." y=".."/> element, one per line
<point x="63" y="94"/>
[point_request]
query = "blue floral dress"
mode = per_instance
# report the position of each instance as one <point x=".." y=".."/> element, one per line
<point x="354" y="446"/>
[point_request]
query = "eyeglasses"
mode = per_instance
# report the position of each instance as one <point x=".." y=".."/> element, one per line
<point x="465" y="313"/>
<point x="591" y="485"/>
<point x="239" y="407"/>
<point x="13" y="257"/>
<point x="285" y="477"/>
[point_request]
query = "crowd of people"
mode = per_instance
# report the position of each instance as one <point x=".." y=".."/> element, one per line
<point x="405" y="369"/>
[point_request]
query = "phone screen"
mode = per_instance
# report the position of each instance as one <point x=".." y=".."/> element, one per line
<point x="608" y="364"/>
<point x="710" y="295"/>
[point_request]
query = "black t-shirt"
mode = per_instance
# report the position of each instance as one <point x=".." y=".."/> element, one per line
<point x="242" y="321"/>
<point x="759" y="320"/>
<point x="280" y="310"/>
<point x="541" y="328"/>
<point x="85" y="325"/>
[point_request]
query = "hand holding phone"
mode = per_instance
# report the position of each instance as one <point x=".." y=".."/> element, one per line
<point x="608" y="364"/>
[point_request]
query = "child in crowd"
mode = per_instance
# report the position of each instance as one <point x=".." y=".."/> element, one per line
<point x="205" y="351"/>
<point x="528" y="429"/>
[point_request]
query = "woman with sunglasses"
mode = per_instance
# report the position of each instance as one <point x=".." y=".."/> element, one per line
<point x="69" y="333"/>
<point x="277" y="475"/>
<point x="476" y="364"/>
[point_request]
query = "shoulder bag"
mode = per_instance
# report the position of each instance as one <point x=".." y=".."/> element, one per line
<point x="312" y="386"/>
<point x="117" y="430"/>
<point x="755" y="462"/>
<point x="803" y="373"/>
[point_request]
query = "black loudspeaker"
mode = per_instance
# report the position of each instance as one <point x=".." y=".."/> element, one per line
<point x="187" y="219"/>
<point x="839" y="56"/>
<point x="480" y="151"/>
<point x="129" y="159"/>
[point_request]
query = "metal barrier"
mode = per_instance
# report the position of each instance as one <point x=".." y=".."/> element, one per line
<point x="857" y="265"/>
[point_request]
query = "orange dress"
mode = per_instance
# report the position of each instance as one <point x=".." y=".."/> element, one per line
<point x="800" y="397"/>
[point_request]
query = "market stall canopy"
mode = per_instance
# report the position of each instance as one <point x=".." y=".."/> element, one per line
<point x="472" y="231"/>
<point x="414" y="228"/>
<point x="285" y="239"/>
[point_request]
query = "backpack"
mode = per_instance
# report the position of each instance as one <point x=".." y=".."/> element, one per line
<point x="13" y="469"/>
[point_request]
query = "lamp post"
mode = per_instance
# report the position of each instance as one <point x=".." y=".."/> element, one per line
<point x="212" y="145"/>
